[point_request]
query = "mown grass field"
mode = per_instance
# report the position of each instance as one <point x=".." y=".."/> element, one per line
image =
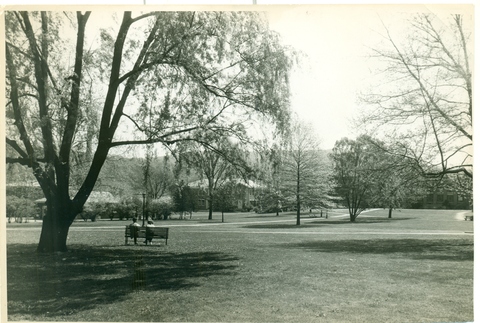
<point x="415" y="267"/>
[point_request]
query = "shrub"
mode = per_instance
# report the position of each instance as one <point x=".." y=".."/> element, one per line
<point x="161" y="208"/>
<point x="19" y="208"/>
<point x="126" y="208"/>
<point x="96" y="210"/>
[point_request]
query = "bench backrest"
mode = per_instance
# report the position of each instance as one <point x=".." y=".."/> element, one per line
<point x="156" y="231"/>
<point x="133" y="230"/>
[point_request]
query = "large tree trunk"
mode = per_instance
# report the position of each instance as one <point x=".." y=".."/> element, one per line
<point x="56" y="224"/>
<point x="390" y="213"/>
<point x="54" y="235"/>
<point x="61" y="211"/>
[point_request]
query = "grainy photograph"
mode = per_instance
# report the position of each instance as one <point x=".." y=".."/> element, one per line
<point x="283" y="163"/>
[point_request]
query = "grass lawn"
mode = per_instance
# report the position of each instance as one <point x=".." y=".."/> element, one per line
<point x="415" y="267"/>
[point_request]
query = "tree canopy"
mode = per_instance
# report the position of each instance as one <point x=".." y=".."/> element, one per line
<point x="354" y="176"/>
<point x="366" y="175"/>
<point x="153" y="77"/>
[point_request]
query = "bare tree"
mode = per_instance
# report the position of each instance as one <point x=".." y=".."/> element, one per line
<point x="423" y="102"/>
<point x="303" y="172"/>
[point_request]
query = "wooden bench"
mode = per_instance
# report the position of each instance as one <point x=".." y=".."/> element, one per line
<point x="154" y="232"/>
<point x="468" y="217"/>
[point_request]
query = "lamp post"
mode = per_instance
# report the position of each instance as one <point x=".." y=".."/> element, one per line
<point x="143" y="214"/>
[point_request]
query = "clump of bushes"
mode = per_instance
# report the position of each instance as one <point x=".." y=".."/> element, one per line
<point x="126" y="208"/>
<point x="92" y="211"/>
<point x="160" y="208"/>
<point x="20" y="209"/>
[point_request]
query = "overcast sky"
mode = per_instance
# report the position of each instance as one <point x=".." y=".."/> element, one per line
<point x="335" y="40"/>
<point x="325" y="84"/>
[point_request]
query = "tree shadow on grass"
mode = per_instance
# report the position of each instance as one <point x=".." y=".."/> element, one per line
<point x="274" y="226"/>
<point x="85" y="278"/>
<point x="358" y="221"/>
<point x="321" y="223"/>
<point x="268" y="216"/>
<point x="422" y="249"/>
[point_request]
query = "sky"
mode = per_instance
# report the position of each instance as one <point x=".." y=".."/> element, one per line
<point x="335" y="40"/>
<point x="325" y="85"/>
<point x="338" y="42"/>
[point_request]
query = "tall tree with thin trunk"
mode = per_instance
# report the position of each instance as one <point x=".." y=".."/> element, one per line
<point x="162" y="77"/>
<point x="303" y="170"/>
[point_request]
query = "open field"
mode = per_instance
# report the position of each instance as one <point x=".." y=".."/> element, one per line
<point x="415" y="267"/>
